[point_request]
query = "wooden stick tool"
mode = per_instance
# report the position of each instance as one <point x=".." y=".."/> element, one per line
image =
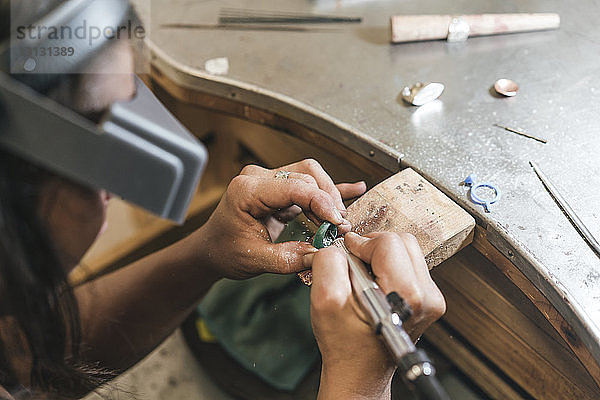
<point x="454" y="28"/>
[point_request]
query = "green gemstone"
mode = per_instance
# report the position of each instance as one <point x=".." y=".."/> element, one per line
<point x="325" y="235"/>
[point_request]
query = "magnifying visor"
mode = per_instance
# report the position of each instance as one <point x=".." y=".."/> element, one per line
<point x="138" y="150"/>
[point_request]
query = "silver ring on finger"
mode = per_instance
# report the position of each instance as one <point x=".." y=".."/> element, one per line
<point x="282" y="175"/>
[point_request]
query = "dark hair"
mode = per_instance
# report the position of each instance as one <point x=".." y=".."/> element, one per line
<point x="38" y="310"/>
<point x="34" y="293"/>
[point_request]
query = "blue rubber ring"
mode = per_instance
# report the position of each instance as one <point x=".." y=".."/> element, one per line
<point x="480" y="201"/>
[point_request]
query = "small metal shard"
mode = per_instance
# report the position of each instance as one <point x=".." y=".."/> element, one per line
<point x="539" y="139"/>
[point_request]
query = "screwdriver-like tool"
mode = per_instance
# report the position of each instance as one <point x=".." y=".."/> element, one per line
<point x="387" y="314"/>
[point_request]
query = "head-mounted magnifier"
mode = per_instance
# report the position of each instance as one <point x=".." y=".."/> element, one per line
<point x="138" y="151"/>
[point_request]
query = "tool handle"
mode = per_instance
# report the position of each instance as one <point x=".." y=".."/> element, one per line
<point x="418" y="371"/>
<point x="429" y="388"/>
<point x="410" y="28"/>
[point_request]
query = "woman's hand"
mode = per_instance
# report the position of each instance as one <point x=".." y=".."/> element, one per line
<point x="355" y="363"/>
<point x="237" y="240"/>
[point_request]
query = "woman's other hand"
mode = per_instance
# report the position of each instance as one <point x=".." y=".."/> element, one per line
<point x="237" y="240"/>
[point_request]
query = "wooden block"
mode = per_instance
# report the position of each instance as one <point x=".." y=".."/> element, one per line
<point x="406" y="202"/>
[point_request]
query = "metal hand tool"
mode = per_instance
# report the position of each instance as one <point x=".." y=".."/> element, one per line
<point x="245" y="16"/>
<point x="562" y="203"/>
<point x="387" y="314"/>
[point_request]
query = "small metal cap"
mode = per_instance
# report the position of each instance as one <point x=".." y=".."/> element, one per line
<point x="506" y="87"/>
<point x="421" y="93"/>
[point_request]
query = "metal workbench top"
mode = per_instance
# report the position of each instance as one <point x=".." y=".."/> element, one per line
<point x="345" y="81"/>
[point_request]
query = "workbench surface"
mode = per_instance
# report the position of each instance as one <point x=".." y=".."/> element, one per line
<point x="345" y="82"/>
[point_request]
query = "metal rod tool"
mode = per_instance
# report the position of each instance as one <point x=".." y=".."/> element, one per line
<point x="388" y="314"/>
<point x="245" y="16"/>
<point x="562" y="203"/>
<point x="539" y="139"/>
